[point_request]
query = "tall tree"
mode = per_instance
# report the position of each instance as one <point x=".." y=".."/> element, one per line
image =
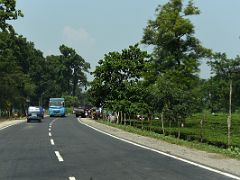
<point x="66" y="73"/>
<point x="226" y="69"/>
<point x="14" y="80"/>
<point x="75" y="69"/>
<point x="176" y="59"/>
<point x="8" y="11"/>
<point x="172" y="36"/>
<point x="115" y="78"/>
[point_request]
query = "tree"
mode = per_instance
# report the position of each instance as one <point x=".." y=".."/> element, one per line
<point x="225" y="68"/>
<point x="171" y="100"/>
<point x="66" y="73"/>
<point x="172" y="36"/>
<point x="16" y="84"/>
<point x="75" y="69"/>
<point x="116" y="74"/>
<point x="175" y="58"/>
<point x="8" y="12"/>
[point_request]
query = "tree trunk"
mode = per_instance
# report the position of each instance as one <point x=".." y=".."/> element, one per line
<point x="162" y="121"/>
<point x="124" y="118"/>
<point x="130" y="119"/>
<point x="75" y="82"/>
<point x="201" y="124"/>
<point x="179" y="127"/>
<point x="117" y="117"/>
<point x="230" y="114"/>
<point x="121" y="117"/>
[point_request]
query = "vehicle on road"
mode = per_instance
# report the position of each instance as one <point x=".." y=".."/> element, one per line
<point x="35" y="113"/>
<point x="79" y="111"/>
<point x="56" y="107"/>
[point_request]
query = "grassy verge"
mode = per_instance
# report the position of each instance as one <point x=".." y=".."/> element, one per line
<point x="230" y="152"/>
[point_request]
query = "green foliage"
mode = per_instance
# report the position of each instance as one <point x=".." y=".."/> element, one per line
<point x="156" y="133"/>
<point x="171" y="34"/>
<point x="225" y="70"/>
<point x="175" y="60"/>
<point x="117" y="78"/>
<point x="67" y="70"/>
<point x="8" y="12"/>
<point x="71" y="101"/>
<point x="69" y="110"/>
<point x="26" y="75"/>
<point x="16" y="60"/>
<point x="212" y="132"/>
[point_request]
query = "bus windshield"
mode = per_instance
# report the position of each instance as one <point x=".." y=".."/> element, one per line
<point x="56" y="103"/>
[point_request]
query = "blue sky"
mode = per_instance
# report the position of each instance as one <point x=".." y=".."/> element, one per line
<point x="96" y="27"/>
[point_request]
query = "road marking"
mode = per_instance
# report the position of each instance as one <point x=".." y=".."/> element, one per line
<point x="52" y="142"/>
<point x="49" y="129"/>
<point x="50" y="134"/>
<point x="10" y="125"/>
<point x="165" y="154"/>
<point x="72" y="178"/>
<point x="60" y="159"/>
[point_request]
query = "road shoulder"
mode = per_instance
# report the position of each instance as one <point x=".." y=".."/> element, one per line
<point x="8" y="123"/>
<point x="212" y="160"/>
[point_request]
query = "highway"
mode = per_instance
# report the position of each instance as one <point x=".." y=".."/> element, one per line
<point x="64" y="149"/>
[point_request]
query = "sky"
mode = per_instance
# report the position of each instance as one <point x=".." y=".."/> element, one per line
<point x="95" y="27"/>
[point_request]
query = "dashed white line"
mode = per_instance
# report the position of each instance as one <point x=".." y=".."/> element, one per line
<point x="52" y="142"/>
<point x="72" y="178"/>
<point x="50" y="134"/>
<point x="60" y="159"/>
<point x="49" y="129"/>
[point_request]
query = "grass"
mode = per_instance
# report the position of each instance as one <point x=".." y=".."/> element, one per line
<point x="233" y="151"/>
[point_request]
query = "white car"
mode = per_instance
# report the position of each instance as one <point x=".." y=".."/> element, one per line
<point x="34" y="113"/>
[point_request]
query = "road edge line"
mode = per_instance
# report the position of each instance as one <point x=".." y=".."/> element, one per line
<point x="16" y="123"/>
<point x="165" y="154"/>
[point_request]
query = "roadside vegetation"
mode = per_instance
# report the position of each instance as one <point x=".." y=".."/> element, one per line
<point x="29" y="78"/>
<point x="189" y="141"/>
<point x="158" y="92"/>
<point x="135" y="87"/>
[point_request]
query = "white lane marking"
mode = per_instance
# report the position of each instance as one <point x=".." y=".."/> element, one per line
<point x="72" y="178"/>
<point x="60" y="159"/>
<point x="52" y="142"/>
<point x="165" y="154"/>
<point x="10" y="125"/>
<point x="50" y="134"/>
<point x="49" y="129"/>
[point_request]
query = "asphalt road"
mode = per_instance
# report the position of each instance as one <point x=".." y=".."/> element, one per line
<point x="62" y="148"/>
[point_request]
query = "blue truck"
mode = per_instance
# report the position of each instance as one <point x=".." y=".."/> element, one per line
<point x="56" y="107"/>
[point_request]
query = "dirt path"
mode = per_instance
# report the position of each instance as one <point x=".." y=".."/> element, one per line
<point x="212" y="160"/>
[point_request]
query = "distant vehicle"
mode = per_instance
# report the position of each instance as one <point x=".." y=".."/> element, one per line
<point x="34" y="113"/>
<point x="56" y="107"/>
<point x="79" y="111"/>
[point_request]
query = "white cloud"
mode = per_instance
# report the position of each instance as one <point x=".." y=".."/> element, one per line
<point x="82" y="41"/>
<point x="77" y="37"/>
